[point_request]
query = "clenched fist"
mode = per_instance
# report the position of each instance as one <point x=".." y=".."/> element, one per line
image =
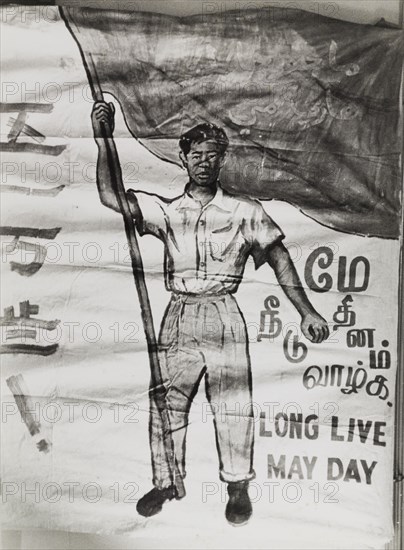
<point x="103" y="119"/>
<point x="315" y="328"/>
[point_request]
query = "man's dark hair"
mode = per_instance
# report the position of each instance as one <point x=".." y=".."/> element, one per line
<point x="204" y="132"/>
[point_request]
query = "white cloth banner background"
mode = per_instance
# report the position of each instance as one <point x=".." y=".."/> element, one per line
<point x="90" y="395"/>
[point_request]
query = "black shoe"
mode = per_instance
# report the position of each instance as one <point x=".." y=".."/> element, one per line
<point x="152" y="502"/>
<point x="238" y="509"/>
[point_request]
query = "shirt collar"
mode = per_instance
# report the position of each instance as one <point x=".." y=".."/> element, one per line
<point x="218" y="201"/>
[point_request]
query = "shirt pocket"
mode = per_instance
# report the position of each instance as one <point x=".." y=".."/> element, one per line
<point x="225" y="242"/>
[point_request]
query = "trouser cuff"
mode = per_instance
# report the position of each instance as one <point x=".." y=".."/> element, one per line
<point x="234" y="478"/>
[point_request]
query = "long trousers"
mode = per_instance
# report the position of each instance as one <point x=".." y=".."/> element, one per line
<point x="205" y="337"/>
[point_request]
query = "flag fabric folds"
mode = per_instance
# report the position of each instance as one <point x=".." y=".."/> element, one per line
<point x="310" y="104"/>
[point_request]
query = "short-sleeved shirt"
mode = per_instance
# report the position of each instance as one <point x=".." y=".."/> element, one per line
<point x="206" y="247"/>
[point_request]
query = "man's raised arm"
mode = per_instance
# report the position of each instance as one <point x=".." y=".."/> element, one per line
<point x="103" y="120"/>
<point x="313" y="326"/>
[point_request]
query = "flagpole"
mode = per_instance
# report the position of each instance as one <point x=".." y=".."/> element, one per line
<point x="397" y="543"/>
<point x="399" y="404"/>
<point x="158" y="387"/>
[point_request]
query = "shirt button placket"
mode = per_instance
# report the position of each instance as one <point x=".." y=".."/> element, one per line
<point x="202" y="240"/>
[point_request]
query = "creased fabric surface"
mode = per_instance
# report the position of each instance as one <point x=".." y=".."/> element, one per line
<point x="89" y="394"/>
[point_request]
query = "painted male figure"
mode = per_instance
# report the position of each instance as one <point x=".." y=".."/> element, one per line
<point x="208" y="234"/>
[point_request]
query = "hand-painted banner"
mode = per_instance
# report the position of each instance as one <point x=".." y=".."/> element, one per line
<point x="75" y="370"/>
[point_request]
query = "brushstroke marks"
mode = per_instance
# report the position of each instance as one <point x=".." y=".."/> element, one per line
<point x="26" y="310"/>
<point x="19" y="127"/>
<point x="51" y="192"/>
<point x="39" y="251"/>
<point x="25" y="130"/>
<point x="28" y="107"/>
<point x="29" y="349"/>
<point x="37" y="148"/>
<point x="30" y="232"/>
<point x="26" y="407"/>
<point x="25" y="327"/>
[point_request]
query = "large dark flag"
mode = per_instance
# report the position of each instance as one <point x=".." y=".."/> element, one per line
<point x="310" y="104"/>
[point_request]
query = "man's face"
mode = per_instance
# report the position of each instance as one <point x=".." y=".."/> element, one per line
<point x="203" y="162"/>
